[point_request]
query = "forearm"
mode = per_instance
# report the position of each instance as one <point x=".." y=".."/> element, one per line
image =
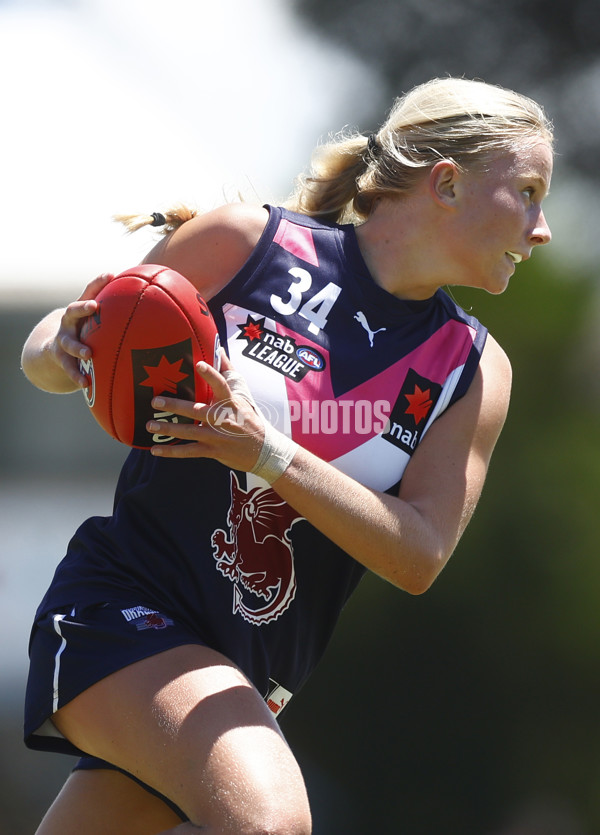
<point x="39" y="358"/>
<point x="386" y="534"/>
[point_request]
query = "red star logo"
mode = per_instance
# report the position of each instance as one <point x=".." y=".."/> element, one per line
<point x="164" y="376"/>
<point x="419" y="404"/>
<point x="252" y="331"/>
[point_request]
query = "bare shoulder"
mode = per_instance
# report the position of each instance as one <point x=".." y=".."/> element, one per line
<point x="211" y="248"/>
<point x="496" y="368"/>
<point x="492" y="386"/>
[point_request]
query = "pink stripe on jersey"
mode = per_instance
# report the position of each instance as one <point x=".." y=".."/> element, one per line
<point x="332" y="426"/>
<point x="298" y="240"/>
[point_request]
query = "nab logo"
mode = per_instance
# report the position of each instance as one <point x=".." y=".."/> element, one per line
<point x="411" y="411"/>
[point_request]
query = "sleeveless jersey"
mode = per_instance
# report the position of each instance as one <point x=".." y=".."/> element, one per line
<point x="351" y="373"/>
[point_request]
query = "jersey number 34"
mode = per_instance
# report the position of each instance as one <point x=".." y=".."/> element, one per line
<point x="316" y="309"/>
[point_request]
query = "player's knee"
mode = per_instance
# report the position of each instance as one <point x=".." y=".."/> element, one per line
<point x="281" y="809"/>
<point x="268" y="815"/>
<point x="284" y="821"/>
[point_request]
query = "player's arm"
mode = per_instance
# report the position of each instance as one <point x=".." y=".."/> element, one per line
<point x="407" y="539"/>
<point x="208" y="250"/>
<point x="50" y="356"/>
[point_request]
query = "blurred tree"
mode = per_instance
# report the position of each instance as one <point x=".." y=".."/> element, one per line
<point x="549" y="50"/>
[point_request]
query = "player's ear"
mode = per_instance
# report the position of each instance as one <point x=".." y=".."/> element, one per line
<point x="443" y="178"/>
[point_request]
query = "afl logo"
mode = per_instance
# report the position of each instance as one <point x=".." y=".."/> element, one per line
<point x="87" y="367"/>
<point x="310" y="357"/>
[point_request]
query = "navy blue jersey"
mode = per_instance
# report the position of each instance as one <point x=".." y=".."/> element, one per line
<point x="351" y="373"/>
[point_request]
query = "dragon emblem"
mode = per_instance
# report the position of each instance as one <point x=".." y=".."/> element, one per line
<point x="256" y="554"/>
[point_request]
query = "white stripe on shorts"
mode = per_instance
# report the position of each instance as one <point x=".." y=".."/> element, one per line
<point x="57" y="619"/>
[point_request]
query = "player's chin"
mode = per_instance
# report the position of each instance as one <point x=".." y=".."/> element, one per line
<point x="496" y="290"/>
<point x="497" y="284"/>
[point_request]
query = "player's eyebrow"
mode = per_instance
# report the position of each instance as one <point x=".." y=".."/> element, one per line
<point x="537" y="180"/>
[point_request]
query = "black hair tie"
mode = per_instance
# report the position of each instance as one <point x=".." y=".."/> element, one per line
<point x="373" y="145"/>
<point x="158" y="219"/>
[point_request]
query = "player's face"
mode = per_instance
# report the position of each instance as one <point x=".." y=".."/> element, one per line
<point x="501" y="217"/>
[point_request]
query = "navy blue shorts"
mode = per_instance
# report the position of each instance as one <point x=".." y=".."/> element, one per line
<point x="76" y="647"/>
<point x="92" y="763"/>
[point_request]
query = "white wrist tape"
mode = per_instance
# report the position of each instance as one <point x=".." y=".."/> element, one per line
<point x="277" y="449"/>
<point x="275" y="456"/>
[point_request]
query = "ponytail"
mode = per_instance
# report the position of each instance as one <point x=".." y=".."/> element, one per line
<point x="168" y="221"/>
<point x="329" y="190"/>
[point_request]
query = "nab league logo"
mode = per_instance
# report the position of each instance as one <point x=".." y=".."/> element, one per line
<point x="256" y="553"/>
<point x="279" y="352"/>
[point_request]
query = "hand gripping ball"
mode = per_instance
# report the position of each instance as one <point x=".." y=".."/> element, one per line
<point x="149" y="331"/>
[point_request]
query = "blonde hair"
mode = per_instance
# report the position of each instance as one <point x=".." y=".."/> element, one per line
<point x="468" y="122"/>
<point x="168" y="221"/>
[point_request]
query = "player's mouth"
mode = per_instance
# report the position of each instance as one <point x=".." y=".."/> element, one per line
<point x="515" y="257"/>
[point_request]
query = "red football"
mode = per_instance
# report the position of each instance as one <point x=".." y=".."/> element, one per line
<point x="150" y="330"/>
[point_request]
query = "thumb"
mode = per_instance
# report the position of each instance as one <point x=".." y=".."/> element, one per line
<point x="225" y="362"/>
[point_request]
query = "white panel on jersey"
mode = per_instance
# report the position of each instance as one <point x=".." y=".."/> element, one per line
<point x="376" y="463"/>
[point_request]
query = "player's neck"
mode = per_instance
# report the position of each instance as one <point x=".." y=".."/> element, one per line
<point x="400" y="245"/>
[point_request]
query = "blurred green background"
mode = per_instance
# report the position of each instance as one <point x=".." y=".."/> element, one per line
<point x="471" y="710"/>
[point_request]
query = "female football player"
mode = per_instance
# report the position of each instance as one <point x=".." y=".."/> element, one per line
<point x="353" y="419"/>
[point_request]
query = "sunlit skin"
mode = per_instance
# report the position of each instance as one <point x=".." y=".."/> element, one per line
<point x="502" y="216"/>
<point x="457" y="228"/>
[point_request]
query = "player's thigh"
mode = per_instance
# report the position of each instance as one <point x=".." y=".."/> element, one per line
<point x="101" y="802"/>
<point x="189" y="724"/>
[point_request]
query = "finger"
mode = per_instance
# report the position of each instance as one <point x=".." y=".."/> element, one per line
<point x="215" y="380"/>
<point x="181" y="431"/>
<point x="74" y="348"/>
<point x="72" y="369"/>
<point x="72" y="320"/>
<point x="94" y="286"/>
<point x="79" y="310"/>
<point x="185" y="408"/>
<point x="225" y="362"/>
<point x="78" y="378"/>
<point x="179" y="451"/>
